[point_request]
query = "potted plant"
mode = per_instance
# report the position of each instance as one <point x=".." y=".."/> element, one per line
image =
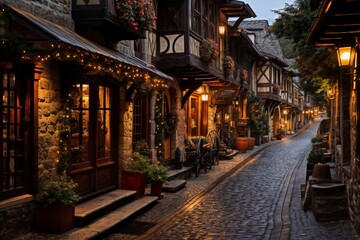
<point x="258" y="121"/>
<point x="137" y="15"/>
<point x="134" y="177"/>
<point x="228" y="66"/>
<point x="156" y="176"/>
<point x="209" y="50"/>
<point x="56" y="197"/>
<point x="314" y="157"/>
<point x="55" y="205"/>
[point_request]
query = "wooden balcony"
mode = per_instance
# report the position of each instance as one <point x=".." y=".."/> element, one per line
<point x="266" y="90"/>
<point x="179" y="55"/>
<point x="97" y="20"/>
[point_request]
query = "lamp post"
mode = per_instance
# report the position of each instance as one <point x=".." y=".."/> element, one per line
<point x="346" y="59"/>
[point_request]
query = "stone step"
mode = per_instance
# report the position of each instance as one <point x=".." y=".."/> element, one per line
<point x="174" y="185"/>
<point x="183" y="173"/>
<point x="229" y="156"/>
<point x="115" y="218"/>
<point x="92" y="209"/>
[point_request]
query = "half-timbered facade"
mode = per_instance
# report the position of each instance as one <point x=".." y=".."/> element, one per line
<point x="274" y="80"/>
<point x="208" y="95"/>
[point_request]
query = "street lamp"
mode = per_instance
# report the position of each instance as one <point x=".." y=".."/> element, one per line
<point x="346" y="56"/>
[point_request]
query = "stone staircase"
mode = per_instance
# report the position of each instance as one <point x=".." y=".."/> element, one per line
<point x="177" y="179"/>
<point x="96" y="217"/>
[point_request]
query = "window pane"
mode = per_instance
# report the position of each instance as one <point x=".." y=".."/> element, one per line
<point x="103" y="124"/>
<point x="79" y="129"/>
<point x="12" y="158"/>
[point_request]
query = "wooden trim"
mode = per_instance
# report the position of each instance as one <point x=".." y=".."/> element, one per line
<point x="38" y="69"/>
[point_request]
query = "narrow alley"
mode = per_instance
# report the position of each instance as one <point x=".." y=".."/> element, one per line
<point x="261" y="200"/>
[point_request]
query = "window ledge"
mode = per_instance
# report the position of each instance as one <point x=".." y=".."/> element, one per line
<point x="8" y="203"/>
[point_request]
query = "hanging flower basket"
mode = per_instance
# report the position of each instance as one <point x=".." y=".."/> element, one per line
<point x="243" y="75"/>
<point x="209" y="50"/>
<point x="136" y="14"/>
<point x="228" y="66"/>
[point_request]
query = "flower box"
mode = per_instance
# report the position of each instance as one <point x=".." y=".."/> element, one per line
<point x="209" y="50"/>
<point x="55" y="218"/>
<point x="134" y="181"/>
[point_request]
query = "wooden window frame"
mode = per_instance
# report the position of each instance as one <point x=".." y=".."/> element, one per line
<point x="141" y="117"/>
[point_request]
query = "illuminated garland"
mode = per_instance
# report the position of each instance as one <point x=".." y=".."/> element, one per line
<point x="65" y="120"/>
<point x="100" y="63"/>
<point x="65" y="52"/>
<point x="160" y="124"/>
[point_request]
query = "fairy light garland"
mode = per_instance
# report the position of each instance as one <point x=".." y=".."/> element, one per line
<point x="97" y="62"/>
<point x="159" y="126"/>
<point x="65" y="120"/>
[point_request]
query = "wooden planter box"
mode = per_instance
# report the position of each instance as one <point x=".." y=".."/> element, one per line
<point x="134" y="181"/>
<point x="56" y="218"/>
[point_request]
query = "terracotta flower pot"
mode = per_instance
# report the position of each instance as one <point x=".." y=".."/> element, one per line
<point x="251" y="143"/>
<point x="241" y="144"/>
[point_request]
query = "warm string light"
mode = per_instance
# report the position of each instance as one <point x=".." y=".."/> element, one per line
<point x="159" y="126"/>
<point x="63" y="52"/>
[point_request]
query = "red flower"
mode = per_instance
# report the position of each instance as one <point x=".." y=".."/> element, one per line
<point x="136" y="14"/>
<point x="209" y="50"/>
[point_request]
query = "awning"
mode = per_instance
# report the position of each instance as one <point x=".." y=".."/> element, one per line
<point x="59" y="34"/>
<point x="336" y="23"/>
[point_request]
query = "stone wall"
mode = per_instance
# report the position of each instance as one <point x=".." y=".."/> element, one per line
<point x="48" y="110"/>
<point x="57" y="11"/>
<point x="16" y="220"/>
<point x="353" y="185"/>
<point x="178" y="137"/>
<point x="125" y="131"/>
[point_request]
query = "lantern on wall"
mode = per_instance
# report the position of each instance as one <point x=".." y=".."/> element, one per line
<point x="346" y="56"/>
<point x="222" y="30"/>
<point x="204" y="97"/>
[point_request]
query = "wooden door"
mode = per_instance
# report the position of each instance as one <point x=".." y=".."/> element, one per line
<point x="93" y="140"/>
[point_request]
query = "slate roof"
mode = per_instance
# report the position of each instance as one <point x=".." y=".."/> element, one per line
<point x="265" y="41"/>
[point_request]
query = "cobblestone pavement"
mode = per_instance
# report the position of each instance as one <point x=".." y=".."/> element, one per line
<point x="260" y="200"/>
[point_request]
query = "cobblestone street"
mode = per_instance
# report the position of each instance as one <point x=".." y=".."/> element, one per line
<point x="260" y="200"/>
